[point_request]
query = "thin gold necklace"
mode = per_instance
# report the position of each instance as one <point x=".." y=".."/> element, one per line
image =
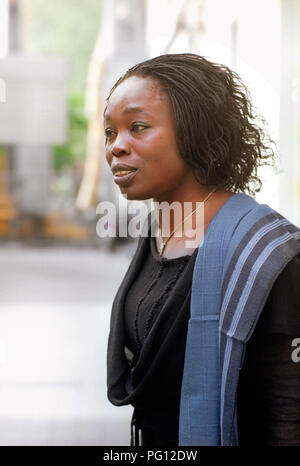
<point x="163" y="243"/>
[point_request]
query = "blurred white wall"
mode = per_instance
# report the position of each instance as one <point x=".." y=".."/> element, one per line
<point x="290" y="110"/>
<point x="3" y="28"/>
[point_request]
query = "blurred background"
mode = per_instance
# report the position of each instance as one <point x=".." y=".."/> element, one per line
<point x="58" y="60"/>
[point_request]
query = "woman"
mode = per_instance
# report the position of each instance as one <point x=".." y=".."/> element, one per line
<point x="201" y="337"/>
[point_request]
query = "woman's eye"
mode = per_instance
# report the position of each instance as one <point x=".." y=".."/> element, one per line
<point x="108" y="133"/>
<point x="138" y="128"/>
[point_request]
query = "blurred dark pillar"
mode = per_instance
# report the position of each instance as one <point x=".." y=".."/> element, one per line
<point x="14" y="44"/>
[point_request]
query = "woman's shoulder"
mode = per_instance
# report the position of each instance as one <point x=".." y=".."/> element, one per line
<point x="281" y="312"/>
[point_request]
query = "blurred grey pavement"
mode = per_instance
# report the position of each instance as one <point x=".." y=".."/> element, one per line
<point x="55" y="308"/>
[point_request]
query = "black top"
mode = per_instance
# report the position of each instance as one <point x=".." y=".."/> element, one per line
<point x="148" y="294"/>
<point x="156" y="314"/>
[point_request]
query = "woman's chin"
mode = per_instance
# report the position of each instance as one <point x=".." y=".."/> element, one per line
<point x="134" y="195"/>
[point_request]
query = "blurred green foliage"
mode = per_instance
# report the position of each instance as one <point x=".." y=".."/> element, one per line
<point x="74" y="150"/>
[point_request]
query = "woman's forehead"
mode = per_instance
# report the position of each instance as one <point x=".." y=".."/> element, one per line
<point x="136" y="94"/>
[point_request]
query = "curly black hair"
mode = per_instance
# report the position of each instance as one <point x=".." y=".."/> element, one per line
<point x="216" y="125"/>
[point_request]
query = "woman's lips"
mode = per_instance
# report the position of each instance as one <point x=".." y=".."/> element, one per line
<point x="123" y="180"/>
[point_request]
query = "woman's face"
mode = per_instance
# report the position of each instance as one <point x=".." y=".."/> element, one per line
<point x="140" y="135"/>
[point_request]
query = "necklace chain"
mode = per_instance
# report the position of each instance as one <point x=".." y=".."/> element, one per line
<point x="163" y="243"/>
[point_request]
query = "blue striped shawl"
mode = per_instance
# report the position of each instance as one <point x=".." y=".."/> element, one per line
<point x="245" y="248"/>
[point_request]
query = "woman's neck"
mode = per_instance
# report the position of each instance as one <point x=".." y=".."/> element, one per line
<point x="188" y="234"/>
<point x="171" y="213"/>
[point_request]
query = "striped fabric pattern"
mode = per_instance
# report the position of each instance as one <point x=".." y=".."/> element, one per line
<point x="260" y="257"/>
<point x="249" y="244"/>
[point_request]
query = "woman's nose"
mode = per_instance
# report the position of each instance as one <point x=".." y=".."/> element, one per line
<point x="120" y="146"/>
